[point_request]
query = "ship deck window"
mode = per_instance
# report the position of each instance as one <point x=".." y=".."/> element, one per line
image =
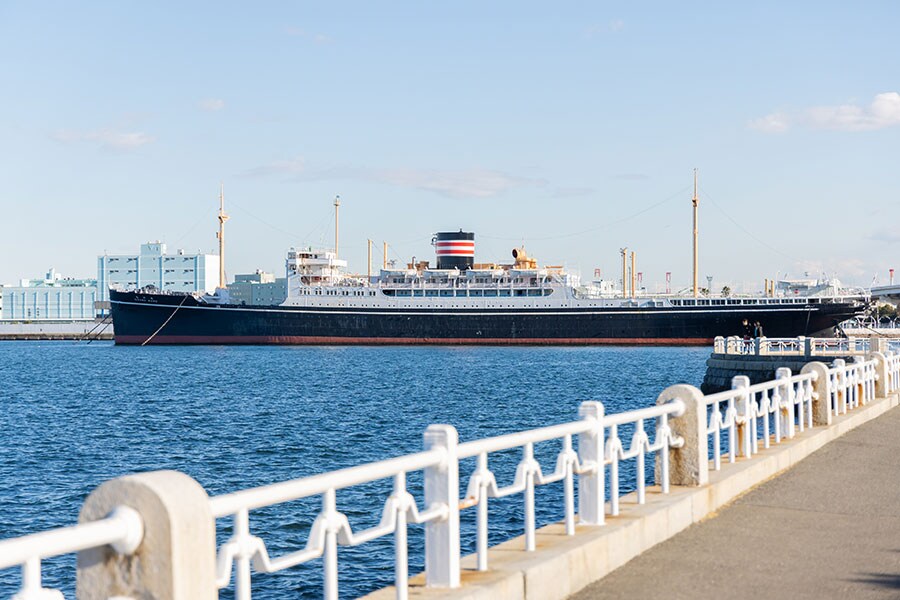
<point x="492" y="293"/>
<point x="418" y="293"/>
<point x="504" y="293"/>
<point x="431" y="293"/>
<point x="446" y="293"/>
<point x="521" y="292"/>
<point x="476" y="292"/>
<point x="405" y="293"/>
<point x="734" y="302"/>
<point x="689" y="302"/>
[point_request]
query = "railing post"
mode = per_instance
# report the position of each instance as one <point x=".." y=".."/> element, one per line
<point x="442" y="488"/>
<point x="745" y="437"/>
<point x="840" y="378"/>
<point x="719" y="345"/>
<point x="731" y="345"/>
<point x="689" y="464"/>
<point x="591" y="486"/>
<point x="821" y="392"/>
<point x="762" y="346"/>
<point x="177" y="556"/>
<point x="786" y="411"/>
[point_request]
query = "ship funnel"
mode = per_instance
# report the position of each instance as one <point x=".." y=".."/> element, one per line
<point x="454" y="249"/>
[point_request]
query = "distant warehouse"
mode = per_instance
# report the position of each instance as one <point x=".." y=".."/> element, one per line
<point x="53" y="298"/>
<point x="177" y="272"/>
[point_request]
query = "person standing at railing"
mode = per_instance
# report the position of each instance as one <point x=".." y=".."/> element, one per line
<point x="757" y="330"/>
<point x="747" y="329"/>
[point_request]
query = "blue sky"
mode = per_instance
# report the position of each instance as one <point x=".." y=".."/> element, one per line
<point x="571" y="127"/>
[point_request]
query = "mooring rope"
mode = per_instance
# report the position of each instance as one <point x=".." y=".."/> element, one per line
<point x="88" y="334"/>
<point x="166" y="321"/>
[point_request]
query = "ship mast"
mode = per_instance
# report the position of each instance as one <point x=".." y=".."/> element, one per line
<point x="695" y="201"/>
<point x="221" y="234"/>
<point x="337" y="206"/>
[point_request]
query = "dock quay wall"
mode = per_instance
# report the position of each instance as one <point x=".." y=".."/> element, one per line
<point x="56" y="330"/>
<point x="154" y="534"/>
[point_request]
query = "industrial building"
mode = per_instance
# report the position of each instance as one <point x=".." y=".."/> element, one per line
<point x="258" y="288"/>
<point x="53" y="298"/>
<point x="179" y="272"/>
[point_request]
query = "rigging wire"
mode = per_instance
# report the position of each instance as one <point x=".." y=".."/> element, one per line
<point x="737" y="224"/>
<point x="203" y="217"/>
<point x="598" y="228"/>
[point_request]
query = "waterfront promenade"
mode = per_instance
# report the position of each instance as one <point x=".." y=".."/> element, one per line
<point x="642" y="476"/>
<point x="827" y="528"/>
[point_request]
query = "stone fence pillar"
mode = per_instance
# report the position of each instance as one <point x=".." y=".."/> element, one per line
<point x="821" y="392"/>
<point x="881" y="373"/>
<point x="176" y="559"/>
<point x="688" y="465"/>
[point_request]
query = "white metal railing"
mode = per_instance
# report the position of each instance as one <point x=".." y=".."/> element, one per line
<point x="892" y="368"/>
<point x="771" y="410"/>
<point x="852" y="384"/>
<point x="735" y="423"/>
<point x="785" y="345"/>
<point x="777" y="409"/>
<point x="799" y="346"/>
<point x="331" y="528"/>
<point x="123" y="529"/>
<point x="871" y="323"/>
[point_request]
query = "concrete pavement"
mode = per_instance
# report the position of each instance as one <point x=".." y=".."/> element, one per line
<point x="827" y="528"/>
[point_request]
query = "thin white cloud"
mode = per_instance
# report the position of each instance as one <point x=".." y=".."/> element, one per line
<point x="316" y="38"/>
<point x="211" y="104"/>
<point x="469" y="183"/>
<point x="291" y="166"/>
<point x="882" y="112"/>
<point x="774" y="123"/>
<point x="465" y="183"/>
<point x="613" y="26"/>
<point x="632" y="177"/>
<point x="106" y="138"/>
<point x="886" y="235"/>
<point x="840" y="267"/>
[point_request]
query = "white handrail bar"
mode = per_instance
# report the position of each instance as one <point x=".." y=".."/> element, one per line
<point x="673" y="408"/>
<point x="285" y="491"/>
<point x="515" y="440"/>
<point x="111" y="530"/>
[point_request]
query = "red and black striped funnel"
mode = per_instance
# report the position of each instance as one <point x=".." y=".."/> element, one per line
<point x="455" y="249"/>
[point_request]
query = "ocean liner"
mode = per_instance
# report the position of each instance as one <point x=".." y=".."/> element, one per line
<point x="461" y="302"/>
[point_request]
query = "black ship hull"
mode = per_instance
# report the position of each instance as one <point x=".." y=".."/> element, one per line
<point x="145" y="318"/>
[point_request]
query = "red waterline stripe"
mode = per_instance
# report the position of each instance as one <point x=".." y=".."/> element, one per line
<point x="389" y="341"/>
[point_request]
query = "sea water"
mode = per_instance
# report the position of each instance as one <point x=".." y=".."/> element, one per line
<point x="232" y="417"/>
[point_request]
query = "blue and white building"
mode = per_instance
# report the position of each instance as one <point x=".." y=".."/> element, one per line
<point x="259" y="288"/>
<point x="179" y="272"/>
<point x="53" y="298"/>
